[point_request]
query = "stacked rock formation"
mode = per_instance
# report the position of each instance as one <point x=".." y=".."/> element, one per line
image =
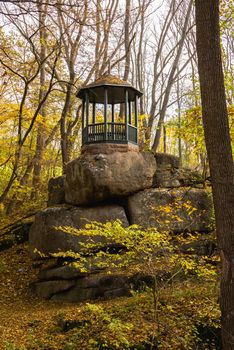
<point x="131" y="186"/>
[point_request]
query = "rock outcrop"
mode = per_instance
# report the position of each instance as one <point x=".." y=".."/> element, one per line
<point x="167" y="161"/>
<point x="169" y="174"/>
<point x="94" y="178"/>
<point x="126" y="185"/>
<point x="47" y="235"/>
<point x="16" y="233"/>
<point x="56" y="193"/>
<point x="95" y="286"/>
<point x="174" y="210"/>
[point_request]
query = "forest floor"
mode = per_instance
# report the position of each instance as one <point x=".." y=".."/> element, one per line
<point x="29" y="323"/>
<point x="22" y="314"/>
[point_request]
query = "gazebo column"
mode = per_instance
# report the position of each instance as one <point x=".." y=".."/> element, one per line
<point x="130" y="112"/>
<point x="105" y="112"/>
<point x="126" y="114"/>
<point x="87" y="115"/>
<point x="94" y="113"/>
<point x="83" y="120"/>
<point x="93" y="121"/>
<point x="113" y="121"/>
<point x="136" y="117"/>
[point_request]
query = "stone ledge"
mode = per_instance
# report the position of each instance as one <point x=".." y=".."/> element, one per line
<point x="108" y="148"/>
<point x="47" y="237"/>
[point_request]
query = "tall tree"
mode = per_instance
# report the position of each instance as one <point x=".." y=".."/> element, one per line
<point x="26" y="69"/>
<point x="71" y="31"/>
<point x="40" y="144"/>
<point x="127" y="39"/>
<point x="217" y="137"/>
<point x="167" y="41"/>
<point x="171" y="80"/>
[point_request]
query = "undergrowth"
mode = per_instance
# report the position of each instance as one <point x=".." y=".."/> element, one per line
<point x="178" y="309"/>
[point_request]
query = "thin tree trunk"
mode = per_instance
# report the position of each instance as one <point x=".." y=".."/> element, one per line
<point x="139" y="60"/>
<point x="11" y="180"/>
<point x="18" y="151"/>
<point x="40" y="144"/>
<point x="127" y="40"/>
<point x="164" y="139"/>
<point x="63" y="126"/>
<point x="171" y="80"/>
<point x="157" y="70"/>
<point x="98" y="39"/>
<point x="217" y="137"/>
<point x="179" y="121"/>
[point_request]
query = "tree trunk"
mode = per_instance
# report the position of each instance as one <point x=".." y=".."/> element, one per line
<point x="63" y="124"/>
<point x="127" y="39"/>
<point x="170" y="83"/>
<point x="217" y="137"/>
<point x="40" y="144"/>
<point x="164" y="139"/>
<point x="127" y="48"/>
<point x="179" y="121"/>
<point x="98" y="39"/>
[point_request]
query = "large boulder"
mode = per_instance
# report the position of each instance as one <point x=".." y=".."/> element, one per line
<point x="167" y="161"/>
<point x="166" y="178"/>
<point x="173" y="177"/>
<point x="169" y="174"/>
<point x="176" y="210"/>
<point x="95" y="286"/>
<point x="83" y="288"/>
<point x="48" y="288"/>
<point x="93" y="178"/>
<point x="65" y="272"/>
<point x="56" y="194"/>
<point x="16" y="233"/>
<point x="45" y="237"/>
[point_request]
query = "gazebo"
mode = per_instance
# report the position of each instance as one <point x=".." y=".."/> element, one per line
<point x="109" y="111"/>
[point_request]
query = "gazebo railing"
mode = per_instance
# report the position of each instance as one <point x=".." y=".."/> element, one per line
<point x="109" y="132"/>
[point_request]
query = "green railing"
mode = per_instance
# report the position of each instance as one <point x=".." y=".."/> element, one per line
<point x="112" y="132"/>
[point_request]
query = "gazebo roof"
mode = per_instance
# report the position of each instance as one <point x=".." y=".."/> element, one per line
<point x="108" y="80"/>
<point x="116" y="90"/>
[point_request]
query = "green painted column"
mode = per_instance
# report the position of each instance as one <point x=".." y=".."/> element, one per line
<point x="126" y="114"/>
<point x="105" y="112"/>
<point x="136" y="117"/>
<point x="87" y="114"/>
<point x="83" y="121"/>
